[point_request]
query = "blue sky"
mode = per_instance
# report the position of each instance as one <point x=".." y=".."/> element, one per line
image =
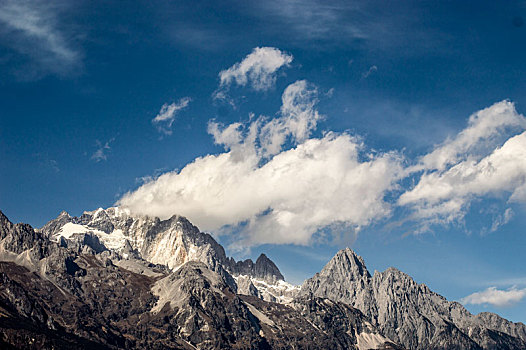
<point x="360" y="118"/>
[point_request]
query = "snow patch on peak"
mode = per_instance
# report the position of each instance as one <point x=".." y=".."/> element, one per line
<point x="68" y="230"/>
<point x="114" y="240"/>
<point x="279" y="292"/>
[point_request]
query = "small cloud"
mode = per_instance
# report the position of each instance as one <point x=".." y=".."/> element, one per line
<point x="54" y="165"/>
<point x="45" y="162"/>
<point x="102" y="150"/>
<point x="496" y="297"/>
<point x="258" y="69"/>
<point x="370" y="71"/>
<point x="164" y="120"/>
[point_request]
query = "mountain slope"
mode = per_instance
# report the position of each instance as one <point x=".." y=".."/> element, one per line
<point x="408" y="312"/>
<point x="111" y="279"/>
<point x="172" y="242"/>
<point x="67" y="294"/>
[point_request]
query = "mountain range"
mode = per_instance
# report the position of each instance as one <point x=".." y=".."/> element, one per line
<point x="112" y="279"/>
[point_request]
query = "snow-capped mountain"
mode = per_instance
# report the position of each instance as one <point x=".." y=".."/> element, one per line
<point x="110" y="279"/>
<point x="75" y="293"/>
<point x="172" y="243"/>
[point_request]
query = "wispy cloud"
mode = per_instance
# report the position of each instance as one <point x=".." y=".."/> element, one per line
<point x="512" y="281"/>
<point x="166" y="116"/>
<point x="370" y="71"/>
<point x="46" y="162"/>
<point x="313" y="19"/>
<point x="501" y="220"/>
<point x="32" y="28"/>
<point x="496" y="297"/>
<point x="101" y="153"/>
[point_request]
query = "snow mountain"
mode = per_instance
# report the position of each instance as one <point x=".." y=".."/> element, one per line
<point x="111" y="279"/>
<point x="171" y="243"/>
<point x="76" y="293"/>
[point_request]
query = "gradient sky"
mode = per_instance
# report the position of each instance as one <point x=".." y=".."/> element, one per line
<point x="98" y="99"/>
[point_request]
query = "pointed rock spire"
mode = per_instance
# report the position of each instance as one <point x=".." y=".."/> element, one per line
<point x="348" y="263"/>
<point x="5" y="225"/>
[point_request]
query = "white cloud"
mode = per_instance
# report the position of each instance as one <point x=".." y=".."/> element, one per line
<point x="298" y="118"/>
<point x="32" y="29"/>
<point x="102" y="150"/>
<point x="258" y="69"/>
<point x="486" y="129"/>
<point x="270" y="192"/>
<point x="276" y="183"/>
<point x="470" y="166"/>
<point x="167" y="114"/>
<point x="496" y="297"/>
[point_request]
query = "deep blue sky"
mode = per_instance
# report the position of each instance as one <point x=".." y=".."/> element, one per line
<point x="400" y="76"/>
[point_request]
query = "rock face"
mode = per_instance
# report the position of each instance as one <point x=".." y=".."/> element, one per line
<point x="263" y="269"/>
<point x="68" y="295"/>
<point x="410" y="313"/>
<point x="112" y="280"/>
<point x="172" y="242"/>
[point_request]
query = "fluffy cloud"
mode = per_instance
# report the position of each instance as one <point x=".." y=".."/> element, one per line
<point x="276" y="183"/>
<point x="166" y="116"/>
<point x="496" y="297"/>
<point x="470" y="166"/>
<point x="298" y="118"/>
<point x="273" y="182"/>
<point x="257" y="69"/>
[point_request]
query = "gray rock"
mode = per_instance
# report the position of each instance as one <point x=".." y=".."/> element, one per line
<point x="410" y="313"/>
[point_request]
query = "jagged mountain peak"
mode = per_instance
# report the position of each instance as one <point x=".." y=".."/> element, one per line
<point x="76" y="277"/>
<point x="393" y="272"/>
<point x="5" y="224"/>
<point x="392" y="297"/>
<point x="349" y="263"/>
<point x="64" y="213"/>
<point x="171" y="242"/>
<point x="265" y="268"/>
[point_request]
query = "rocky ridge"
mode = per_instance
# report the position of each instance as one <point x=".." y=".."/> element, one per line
<point x="410" y="313"/>
<point x="66" y="295"/>
<point x="172" y="242"/>
<point x="102" y="280"/>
